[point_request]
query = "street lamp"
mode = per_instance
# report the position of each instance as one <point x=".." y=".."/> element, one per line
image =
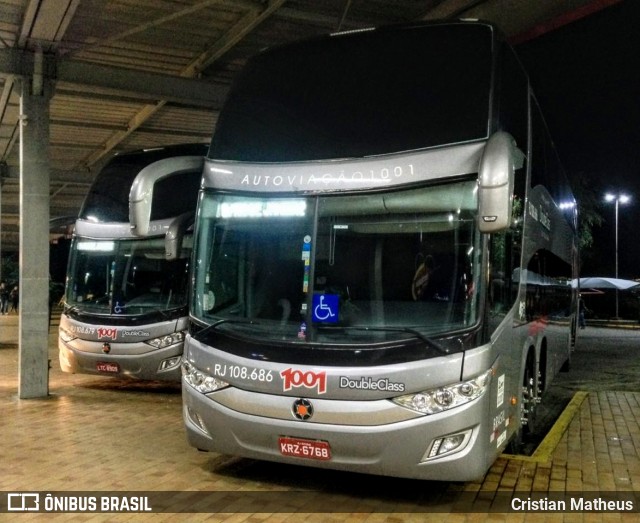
<point x="618" y="199"/>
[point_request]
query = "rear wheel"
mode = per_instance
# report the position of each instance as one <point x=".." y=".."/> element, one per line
<point x="529" y="398"/>
<point x="528" y="404"/>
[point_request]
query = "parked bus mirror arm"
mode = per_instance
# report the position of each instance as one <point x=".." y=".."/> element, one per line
<point x="141" y="193"/>
<point x="499" y="162"/>
<point x="175" y="234"/>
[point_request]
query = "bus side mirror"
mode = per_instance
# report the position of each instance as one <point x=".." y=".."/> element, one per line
<point x="141" y="193"/>
<point x="174" y="235"/>
<point x="499" y="162"/>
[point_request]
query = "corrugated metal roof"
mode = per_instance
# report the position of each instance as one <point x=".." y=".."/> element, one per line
<point x="208" y="40"/>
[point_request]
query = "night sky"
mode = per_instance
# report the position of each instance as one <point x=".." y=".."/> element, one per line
<point x="586" y="76"/>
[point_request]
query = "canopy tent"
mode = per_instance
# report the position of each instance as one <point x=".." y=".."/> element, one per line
<point x="598" y="282"/>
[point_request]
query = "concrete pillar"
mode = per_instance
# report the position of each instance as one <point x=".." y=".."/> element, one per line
<point x="33" y="326"/>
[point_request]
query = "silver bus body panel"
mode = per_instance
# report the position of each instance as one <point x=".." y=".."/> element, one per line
<point x="393" y="449"/>
<point x="326" y="411"/>
<point x="345" y="175"/>
<point x="141" y="194"/>
<point x="128" y="351"/>
<point x="118" y="231"/>
<point x="366" y="431"/>
<point x="394" y="380"/>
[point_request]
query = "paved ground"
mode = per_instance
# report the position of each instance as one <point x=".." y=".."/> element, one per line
<point x="99" y="434"/>
<point x="605" y="359"/>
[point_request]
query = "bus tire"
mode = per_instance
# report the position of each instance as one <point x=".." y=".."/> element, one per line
<point x="529" y="395"/>
<point x="528" y="405"/>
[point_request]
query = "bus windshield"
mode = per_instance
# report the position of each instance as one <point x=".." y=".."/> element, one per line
<point x="339" y="269"/>
<point x="126" y="277"/>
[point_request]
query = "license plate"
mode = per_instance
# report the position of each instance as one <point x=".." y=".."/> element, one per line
<point x="304" y="448"/>
<point x="103" y="366"/>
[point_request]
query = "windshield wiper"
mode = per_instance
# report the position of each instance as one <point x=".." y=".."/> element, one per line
<point x="72" y="309"/>
<point x="431" y="343"/>
<point x="215" y="325"/>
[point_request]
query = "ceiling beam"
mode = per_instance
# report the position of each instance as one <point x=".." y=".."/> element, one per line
<point x="83" y="124"/>
<point x="30" y="13"/>
<point x="117" y="137"/>
<point x="16" y="62"/>
<point x="244" y="26"/>
<point x="159" y="21"/>
<point x="77" y="176"/>
<point x="80" y="124"/>
<point x="60" y="208"/>
<point x="241" y="28"/>
<point x="109" y="95"/>
<point x="166" y="87"/>
<point x="7" y="88"/>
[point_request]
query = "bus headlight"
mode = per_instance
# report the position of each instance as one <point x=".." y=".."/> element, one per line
<point x="166" y="341"/>
<point x="444" y="398"/>
<point x="201" y="381"/>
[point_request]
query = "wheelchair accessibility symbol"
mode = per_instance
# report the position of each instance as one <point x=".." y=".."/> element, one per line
<point x="325" y="308"/>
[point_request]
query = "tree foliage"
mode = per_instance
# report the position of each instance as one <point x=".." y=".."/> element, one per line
<point x="588" y="193"/>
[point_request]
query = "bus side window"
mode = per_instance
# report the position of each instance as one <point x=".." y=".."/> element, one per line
<point x="498" y="301"/>
<point x="548" y="294"/>
<point x="505" y="248"/>
<point x="504" y="252"/>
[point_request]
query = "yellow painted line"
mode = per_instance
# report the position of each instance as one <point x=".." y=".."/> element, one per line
<point x="545" y="450"/>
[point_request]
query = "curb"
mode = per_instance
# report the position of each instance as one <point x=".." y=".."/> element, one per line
<point x="544" y="451"/>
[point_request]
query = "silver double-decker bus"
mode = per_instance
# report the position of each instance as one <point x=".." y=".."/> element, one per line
<point x="125" y="304"/>
<point x="384" y="248"/>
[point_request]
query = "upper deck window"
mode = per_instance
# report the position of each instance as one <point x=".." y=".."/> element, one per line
<point x="370" y="93"/>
